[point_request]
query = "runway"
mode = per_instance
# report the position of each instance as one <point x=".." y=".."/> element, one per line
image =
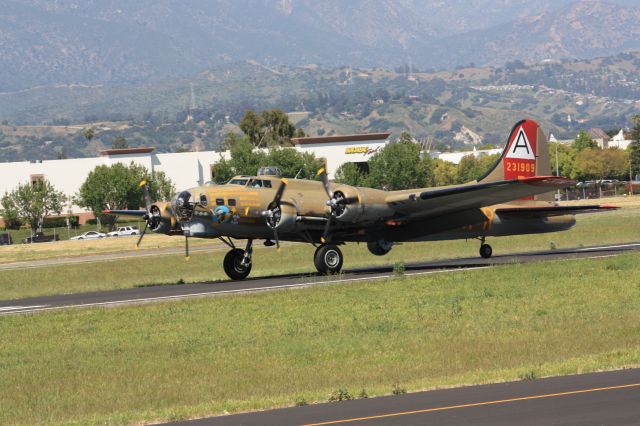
<point x="159" y="293"/>
<point x="611" y="398"/>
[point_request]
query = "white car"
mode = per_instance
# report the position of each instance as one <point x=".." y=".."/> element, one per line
<point x="89" y="235"/>
<point x="124" y="230"/>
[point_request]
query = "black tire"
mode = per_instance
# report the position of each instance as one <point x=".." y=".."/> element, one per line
<point x="232" y="266"/>
<point x="486" y="251"/>
<point x="328" y="259"/>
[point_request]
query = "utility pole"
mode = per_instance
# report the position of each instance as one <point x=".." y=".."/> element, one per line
<point x="630" y="178"/>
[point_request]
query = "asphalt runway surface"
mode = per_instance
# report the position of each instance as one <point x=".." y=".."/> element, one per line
<point x="159" y="293"/>
<point x="610" y="398"/>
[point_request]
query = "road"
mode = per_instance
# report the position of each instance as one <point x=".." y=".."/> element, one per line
<point x="611" y="398"/>
<point x="159" y="293"/>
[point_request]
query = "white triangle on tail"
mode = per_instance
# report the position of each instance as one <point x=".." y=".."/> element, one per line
<point x="521" y="148"/>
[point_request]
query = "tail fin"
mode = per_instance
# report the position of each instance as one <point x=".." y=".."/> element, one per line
<point x="525" y="154"/>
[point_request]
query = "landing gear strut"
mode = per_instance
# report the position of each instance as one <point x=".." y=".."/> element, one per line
<point x="485" y="249"/>
<point x="328" y="259"/>
<point x="237" y="262"/>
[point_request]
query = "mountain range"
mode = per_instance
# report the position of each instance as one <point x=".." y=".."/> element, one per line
<point x="105" y="42"/>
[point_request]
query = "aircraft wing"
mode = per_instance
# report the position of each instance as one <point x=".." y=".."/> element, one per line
<point x="439" y="201"/>
<point x="546" y="211"/>
<point x="136" y="213"/>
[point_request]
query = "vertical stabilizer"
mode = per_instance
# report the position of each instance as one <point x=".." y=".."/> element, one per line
<point x="526" y="154"/>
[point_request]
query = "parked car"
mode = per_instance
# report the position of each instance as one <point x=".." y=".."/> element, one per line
<point x="5" y="240"/>
<point x="124" y="230"/>
<point x="89" y="235"/>
<point x="39" y="237"/>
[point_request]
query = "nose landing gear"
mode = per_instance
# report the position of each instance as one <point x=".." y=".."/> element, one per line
<point x="237" y="262"/>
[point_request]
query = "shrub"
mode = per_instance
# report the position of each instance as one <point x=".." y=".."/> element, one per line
<point x="61" y="222"/>
<point x="397" y="390"/>
<point x="398" y="268"/>
<point x="341" y="394"/>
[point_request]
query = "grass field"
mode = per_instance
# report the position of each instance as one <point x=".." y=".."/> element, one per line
<point x="244" y="352"/>
<point x="611" y="227"/>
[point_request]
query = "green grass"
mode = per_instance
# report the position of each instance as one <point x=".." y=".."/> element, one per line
<point x="244" y="352"/>
<point x="614" y="227"/>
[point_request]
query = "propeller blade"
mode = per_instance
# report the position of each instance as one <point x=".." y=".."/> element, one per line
<point x="186" y="247"/>
<point x="349" y="200"/>
<point x="146" y="224"/>
<point x="147" y="197"/>
<point x="275" y="237"/>
<point x="280" y="191"/>
<point x="325" y="181"/>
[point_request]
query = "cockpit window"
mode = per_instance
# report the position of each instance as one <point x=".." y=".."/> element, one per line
<point x="266" y="183"/>
<point x="241" y="182"/>
<point x="255" y="183"/>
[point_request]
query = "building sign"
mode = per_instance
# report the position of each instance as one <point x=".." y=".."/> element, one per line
<point x="365" y="150"/>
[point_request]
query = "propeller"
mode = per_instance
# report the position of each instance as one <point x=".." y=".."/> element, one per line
<point x="147" y="216"/>
<point x="186" y="247"/>
<point x="273" y="212"/>
<point x="336" y="202"/>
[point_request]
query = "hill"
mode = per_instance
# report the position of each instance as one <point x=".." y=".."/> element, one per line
<point x="66" y="42"/>
<point x="448" y="109"/>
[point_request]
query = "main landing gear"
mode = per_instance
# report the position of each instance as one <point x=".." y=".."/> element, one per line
<point x="328" y="259"/>
<point x="485" y="249"/>
<point x="237" y="262"/>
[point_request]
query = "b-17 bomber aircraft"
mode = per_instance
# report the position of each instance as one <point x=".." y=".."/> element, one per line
<point x="512" y="198"/>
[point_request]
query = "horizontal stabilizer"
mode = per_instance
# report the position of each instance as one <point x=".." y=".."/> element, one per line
<point x="553" y="210"/>
<point x="136" y="213"/>
<point x="433" y="202"/>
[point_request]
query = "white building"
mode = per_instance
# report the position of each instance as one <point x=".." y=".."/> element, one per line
<point x="186" y="169"/>
<point x="337" y="150"/>
<point x="455" y="157"/>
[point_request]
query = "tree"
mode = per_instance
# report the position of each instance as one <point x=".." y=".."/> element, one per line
<point x="634" y="147"/>
<point x="246" y="160"/>
<point x="293" y="163"/>
<point x="116" y="187"/>
<point x="399" y="166"/>
<point x="444" y="173"/>
<point x="231" y="139"/>
<point x="9" y="212"/>
<point x="350" y="174"/>
<point x="33" y="202"/>
<point x="89" y="133"/>
<point x="472" y="168"/>
<point x="566" y="158"/>
<point x="583" y="141"/>
<point x="269" y="128"/>
<point x="120" y="143"/>
<point x="251" y="125"/>
<point x="594" y="163"/>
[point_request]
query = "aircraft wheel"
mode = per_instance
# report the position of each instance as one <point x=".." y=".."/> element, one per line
<point x="486" y="251"/>
<point x="233" y="266"/>
<point x="328" y="259"/>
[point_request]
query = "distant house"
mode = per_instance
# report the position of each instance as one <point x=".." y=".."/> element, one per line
<point x="600" y="137"/>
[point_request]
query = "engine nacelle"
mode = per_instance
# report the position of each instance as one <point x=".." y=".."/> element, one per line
<point x="353" y="206"/>
<point x="283" y="218"/>
<point x="379" y="247"/>
<point x="159" y="219"/>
